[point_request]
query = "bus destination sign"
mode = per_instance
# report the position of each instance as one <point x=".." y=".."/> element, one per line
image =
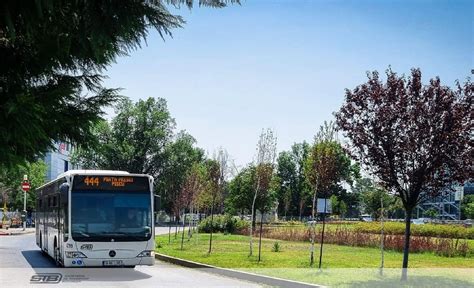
<point x="103" y="182"/>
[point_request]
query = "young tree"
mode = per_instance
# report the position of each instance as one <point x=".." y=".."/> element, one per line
<point x="54" y="54"/>
<point x="217" y="174"/>
<point x="326" y="166"/>
<point x="189" y="191"/>
<point x="264" y="165"/>
<point x="213" y="188"/>
<point x="416" y="139"/>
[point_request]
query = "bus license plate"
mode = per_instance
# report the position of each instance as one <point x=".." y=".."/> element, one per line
<point x="112" y="263"/>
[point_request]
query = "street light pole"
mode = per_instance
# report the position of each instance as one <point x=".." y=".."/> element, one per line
<point x="25" y="179"/>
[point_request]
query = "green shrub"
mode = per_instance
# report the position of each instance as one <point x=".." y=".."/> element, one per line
<point x="276" y="247"/>
<point x="223" y="223"/>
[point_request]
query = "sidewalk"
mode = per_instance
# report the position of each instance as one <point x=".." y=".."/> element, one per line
<point x="16" y="231"/>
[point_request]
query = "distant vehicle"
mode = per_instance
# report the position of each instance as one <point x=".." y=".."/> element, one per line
<point x="366" y="218"/>
<point x="97" y="218"/>
<point x="420" y="221"/>
<point x="311" y="221"/>
<point x="467" y="223"/>
<point x="193" y="216"/>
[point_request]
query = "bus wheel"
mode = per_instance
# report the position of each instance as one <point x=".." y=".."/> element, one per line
<point x="56" y="252"/>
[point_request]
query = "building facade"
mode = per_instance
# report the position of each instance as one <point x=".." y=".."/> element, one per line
<point x="58" y="160"/>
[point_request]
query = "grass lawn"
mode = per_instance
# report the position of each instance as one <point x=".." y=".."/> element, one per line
<point x="359" y="264"/>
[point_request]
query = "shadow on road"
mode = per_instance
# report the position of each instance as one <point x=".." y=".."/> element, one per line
<point x="37" y="260"/>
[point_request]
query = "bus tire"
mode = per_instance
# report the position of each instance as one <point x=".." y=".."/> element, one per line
<point x="56" y="252"/>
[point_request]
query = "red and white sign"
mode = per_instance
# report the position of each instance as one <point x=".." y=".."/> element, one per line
<point x="25" y="186"/>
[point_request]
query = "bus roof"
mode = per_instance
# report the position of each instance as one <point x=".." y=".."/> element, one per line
<point x="93" y="172"/>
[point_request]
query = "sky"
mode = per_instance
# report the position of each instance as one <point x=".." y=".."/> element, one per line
<point x="284" y="64"/>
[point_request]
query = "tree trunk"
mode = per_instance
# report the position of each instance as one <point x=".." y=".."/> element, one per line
<point x="169" y="232"/>
<point x="197" y="225"/>
<point x="176" y="222"/>
<point x="212" y="224"/>
<point x="406" y="248"/>
<point x="190" y="230"/>
<point x="182" y="234"/>
<point x="313" y="231"/>
<point x="260" y="240"/>
<point x="301" y="208"/>
<point x="322" y="234"/>
<point x="253" y="220"/>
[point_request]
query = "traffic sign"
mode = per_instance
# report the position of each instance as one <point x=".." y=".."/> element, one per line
<point x="25" y="186"/>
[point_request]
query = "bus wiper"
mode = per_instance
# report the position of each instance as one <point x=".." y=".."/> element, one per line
<point x="84" y="234"/>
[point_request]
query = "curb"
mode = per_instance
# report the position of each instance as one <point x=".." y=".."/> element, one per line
<point x="15" y="233"/>
<point x="261" y="279"/>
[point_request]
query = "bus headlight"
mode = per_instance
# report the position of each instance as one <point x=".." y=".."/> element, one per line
<point x="75" y="254"/>
<point x="147" y="253"/>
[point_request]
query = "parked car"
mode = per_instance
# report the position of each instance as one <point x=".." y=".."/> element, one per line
<point x="366" y="218"/>
<point x="420" y="221"/>
<point x="467" y="223"/>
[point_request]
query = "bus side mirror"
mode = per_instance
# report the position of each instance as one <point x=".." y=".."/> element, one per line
<point x="157" y="203"/>
<point x="64" y="188"/>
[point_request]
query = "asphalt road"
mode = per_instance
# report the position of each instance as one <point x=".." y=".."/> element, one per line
<point x="20" y="259"/>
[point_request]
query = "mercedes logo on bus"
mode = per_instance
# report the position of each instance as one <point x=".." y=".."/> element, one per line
<point x="112" y="253"/>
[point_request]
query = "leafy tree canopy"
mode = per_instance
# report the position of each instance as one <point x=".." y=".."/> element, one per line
<point x="241" y="191"/>
<point x="140" y="139"/>
<point x="10" y="184"/>
<point x="53" y="54"/>
<point x="415" y="138"/>
<point x="293" y="189"/>
<point x="372" y="197"/>
<point x="467" y="207"/>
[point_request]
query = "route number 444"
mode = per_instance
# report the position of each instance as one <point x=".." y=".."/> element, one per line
<point x="92" y="181"/>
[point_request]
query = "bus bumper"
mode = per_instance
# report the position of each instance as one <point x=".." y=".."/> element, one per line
<point x="90" y="262"/>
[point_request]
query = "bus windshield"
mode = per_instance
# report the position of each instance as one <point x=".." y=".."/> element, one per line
<point x="106" y="216"/>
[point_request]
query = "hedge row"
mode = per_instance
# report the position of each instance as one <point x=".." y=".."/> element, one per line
<point x="429" y="230"/>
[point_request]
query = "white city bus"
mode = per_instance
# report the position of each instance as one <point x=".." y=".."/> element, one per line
<point x="97" y="218"/>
